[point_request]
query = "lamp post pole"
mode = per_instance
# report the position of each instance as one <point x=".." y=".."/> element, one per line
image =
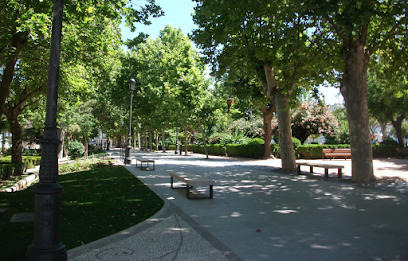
<point x="47" y="192"/>
<point x="128" y="160"/>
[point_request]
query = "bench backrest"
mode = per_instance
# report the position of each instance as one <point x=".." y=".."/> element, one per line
<point x="402" y="150"/>
<point x="336" y="150"/>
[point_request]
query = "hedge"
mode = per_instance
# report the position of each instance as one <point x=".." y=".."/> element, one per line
<point x="245" y="150"/>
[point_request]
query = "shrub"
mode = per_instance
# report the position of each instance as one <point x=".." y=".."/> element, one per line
<point x="275" y="150"/>
<point x="254" y="150"/>
<point x="384" y="150"/>
<point x="390" y="142"/>
<point x="296" y="142"/>
<point x="256" y="141"/>
<point x="75" y="149"/>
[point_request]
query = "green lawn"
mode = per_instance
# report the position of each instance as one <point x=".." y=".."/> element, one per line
<point x="94" y="204"/>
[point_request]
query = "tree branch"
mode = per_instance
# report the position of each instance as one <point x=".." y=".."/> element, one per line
<point x="390" y="34"/>
<point x="336" y="28"/>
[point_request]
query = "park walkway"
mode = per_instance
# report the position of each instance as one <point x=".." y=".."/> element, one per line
<point x="261" y="213"/>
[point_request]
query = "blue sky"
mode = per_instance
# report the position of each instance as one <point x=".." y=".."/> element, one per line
<point x="178" y="14"/>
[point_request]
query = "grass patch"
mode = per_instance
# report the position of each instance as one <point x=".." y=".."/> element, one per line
<point x="95" y="204"/>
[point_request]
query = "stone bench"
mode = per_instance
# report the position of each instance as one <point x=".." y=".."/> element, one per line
<point x="320" y="165"/>
<point x="191" y="180"/>
<point x="147" y="161"/>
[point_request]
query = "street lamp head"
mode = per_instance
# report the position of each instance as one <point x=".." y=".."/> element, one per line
<point x="132" y="84"/>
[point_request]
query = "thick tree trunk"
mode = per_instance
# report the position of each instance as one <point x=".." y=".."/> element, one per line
<point x="398" y="130"/>
<point x="281" y="103"/>
<point x="185" y="140"/>
<point x="287" y="151"/>
<point x="164" y="139"/>
<point x="267" y="127"/>
<point x="16" y="139"/>
<point x="354" y="90"/>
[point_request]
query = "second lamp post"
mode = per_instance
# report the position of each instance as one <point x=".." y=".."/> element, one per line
<point x="128" y="160"/>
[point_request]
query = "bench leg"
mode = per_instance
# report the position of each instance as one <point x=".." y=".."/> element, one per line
<point x="311" y="169"/>
<point x="326" y="173"/>
<point x="339" y="173"/>
<point x="188" y="192"/>
<point x="211" y="191"/>
<point x="298" y="169"/>
<point x="171" y="181"/>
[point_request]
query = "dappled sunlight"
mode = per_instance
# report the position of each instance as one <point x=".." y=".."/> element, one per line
<point x="279" y="210"/>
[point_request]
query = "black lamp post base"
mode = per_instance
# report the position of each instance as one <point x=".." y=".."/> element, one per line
<point x="53" y="253"/>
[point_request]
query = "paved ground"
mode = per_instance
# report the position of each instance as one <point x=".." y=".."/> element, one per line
<point x="261" y="213"/>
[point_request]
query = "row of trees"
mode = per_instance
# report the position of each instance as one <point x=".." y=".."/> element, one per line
<point x="288" y="45"/>
<point x="90" y="62"/>
<point x="266" y="56"/>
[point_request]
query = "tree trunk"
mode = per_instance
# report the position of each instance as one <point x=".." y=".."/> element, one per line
<point x="16" y="139"/>
<point x="3" y="141"/>
<point x="353" y="87"/>
<point x="134" y="137"/>
<point x="157" y="140"/>
<point x="19" y="40"/>
<point x="267" y="127"/>
<point x="85" y="141"/>
<point x="60" y="137"/>
<point x="287" y="151"/>
<point x="281" y="103"/>
<point x="398" y="130"/>
<point x="384" y="130"/>
<point x="164" y="139"/>
<point x="150" y="139"/>
<point x="185" y="140"/>
<point x="204" y="140"/>
<point x="139" y="141"/>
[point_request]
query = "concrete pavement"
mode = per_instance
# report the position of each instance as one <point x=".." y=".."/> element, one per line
<point x="261" y="213"/>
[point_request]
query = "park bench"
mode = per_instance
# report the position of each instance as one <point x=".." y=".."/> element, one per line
<point x="191" y="180"/>
<point x="321" y="165"/>
<point x="332" y="153"/>
<point x="402" y="151"/>
<point x="147" y="161"/>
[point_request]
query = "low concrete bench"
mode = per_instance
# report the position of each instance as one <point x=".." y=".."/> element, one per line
<point x="332" y="153"/>
<point x="320" y="165"/>
<point x="147" y="161"/>
<point x="191" y="180"/>
<point x="402" y="151"/>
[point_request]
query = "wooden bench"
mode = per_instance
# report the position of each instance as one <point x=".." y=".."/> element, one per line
<point x="320" y="165"/>
<point x="331" y="153"/>
<point x="191" y="180"/>
<point x="402" y="151"/>
<point x="142" y="160"/>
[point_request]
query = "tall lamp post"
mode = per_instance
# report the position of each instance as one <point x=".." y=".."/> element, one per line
<point x="132" y="84"/>
<point x="47" y="192"/>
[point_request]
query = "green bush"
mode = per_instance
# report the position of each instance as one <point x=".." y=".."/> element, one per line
<point x="275" y="150"/>
<point x="75" y="149"/>
<point x="254" y="150"/>
<point x="314" y="151"/>
<point x="256" y="141"/>
<point x="390" y="143"/>
<point x="384" y="151"/>
<point x="296" y="142"/>
<point x="216" y="149"/>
